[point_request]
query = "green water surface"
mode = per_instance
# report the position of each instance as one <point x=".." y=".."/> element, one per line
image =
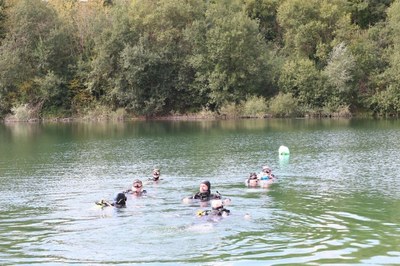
<point x="336" y="200"/>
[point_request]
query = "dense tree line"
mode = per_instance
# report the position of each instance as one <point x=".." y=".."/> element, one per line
<point x="158" y="57"/>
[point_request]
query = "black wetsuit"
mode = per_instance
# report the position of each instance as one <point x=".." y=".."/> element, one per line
<point x="215" y="212"/>
<point x="206" y="196"/>
<point x="104" y="203"/>
<point x="220" y="211"/>
<point x="119" y="202"/>
<point x="118" y="205"/>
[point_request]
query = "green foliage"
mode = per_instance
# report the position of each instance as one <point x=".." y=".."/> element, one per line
<point x="231" y="110"/>
<point x="234" y="56"/>
<point x="284" y="105"/>
<point x="339" y="76"/>
<point x="34" y="54"/>
<point x="303" y="81"/>
<point x="21" y="113"/>
<point x="336" y="111"/>
<point x="368" y="50"/>
<point x="310" y="27"/>
<point x="387" y="102"/>
<point x="148" y="73"/>
<point x="101" y="112"/>
<point x="265" y="11"/>
<point x="367" y="13"/>
<point x="51" y="89"/>
<point x="3" y="18"/>
<point x="160" y="57"/>
<point x="31" y="23"/>
<point x="254" y="107"/>
<point x="81" y="98"/>
<point x="394" y="51"/>
<point x="104" y="67"/>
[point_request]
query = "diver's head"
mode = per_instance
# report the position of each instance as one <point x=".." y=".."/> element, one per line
<point x="216" y="204"/>
<point x="252" y="181"/>
<point x="205" y="186"/>
<point x="266" y="169"/>
<point x="156" y="173"/>
<point x="137" y="185"/>
<point x="120" y="199"/>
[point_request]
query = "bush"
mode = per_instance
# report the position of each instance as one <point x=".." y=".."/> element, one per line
<point x="104" y="113"/>
<point x="284" y="105"/>
<point x="119" y="114"/>
<point x="230" y="110"/>
<point x="387" y="102"/>
<point x="343" y="111"/>
<point x="254" y="107"/>
<point x="20" y="113"/>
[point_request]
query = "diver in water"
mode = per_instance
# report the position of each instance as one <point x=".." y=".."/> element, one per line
<point x="156" y="175"/>
<point x="137" y="189"/>
<point x="266" y="174"/>
<point x="217" y="209"/>
<point x="119" y="202"/>
<point x="266" y="177"/>
<point x="252" y="180"/>
<point x="204" y="193"/>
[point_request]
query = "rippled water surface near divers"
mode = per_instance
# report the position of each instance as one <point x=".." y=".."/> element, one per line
<point x="337" y="198"/>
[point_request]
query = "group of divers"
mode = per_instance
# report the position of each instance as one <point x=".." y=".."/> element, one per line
<point x="263" y="179"/>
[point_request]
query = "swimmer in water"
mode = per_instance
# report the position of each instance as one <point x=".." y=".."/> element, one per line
<point x="217" y="209"/>
<point x="137" y="189"/>
<point x="119" y="202"/>
<point x="266" y="174"/>
<point x="156" y="175"/>
<point x="252" y="180"/>
<point x="204" y="193"/>
<point x="266" y="177"/>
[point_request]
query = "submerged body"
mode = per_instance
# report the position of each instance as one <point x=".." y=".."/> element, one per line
<point x="204" y="193"/>
<point x="119" y="202"/>
<point x="217" y="209"/>
<point x="137" y="189"/>
<point x="266" y="174"/>
<point x="155" y="176"/>
<point x="252" y="180"/>
<point x="266" y="177"/>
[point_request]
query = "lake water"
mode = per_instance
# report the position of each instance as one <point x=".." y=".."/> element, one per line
<point x="336" y="201"/>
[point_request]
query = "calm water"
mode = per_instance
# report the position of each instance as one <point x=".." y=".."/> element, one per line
<point x="337" y="199"/>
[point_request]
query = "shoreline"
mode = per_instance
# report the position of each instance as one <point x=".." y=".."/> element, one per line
<point x="175" y="118"/>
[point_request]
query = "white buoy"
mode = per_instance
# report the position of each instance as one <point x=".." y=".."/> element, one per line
<point x="283" y="150"/>
<point x="284" y="155"/>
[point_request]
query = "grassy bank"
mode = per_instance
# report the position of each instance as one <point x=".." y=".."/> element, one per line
<point x="281" y="106"/>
